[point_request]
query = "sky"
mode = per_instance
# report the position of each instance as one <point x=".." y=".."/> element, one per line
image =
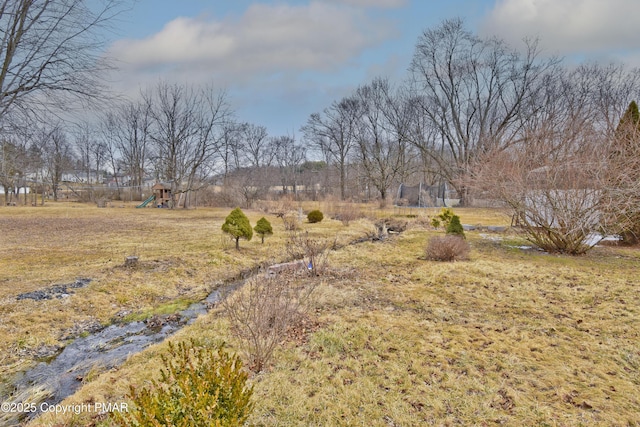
<point x="280" y="61"/>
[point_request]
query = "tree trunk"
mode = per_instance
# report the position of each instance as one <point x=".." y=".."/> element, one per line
<point x="465" y="196"/>
<point x="342" y="181"/>
<point x="237" y="243"/>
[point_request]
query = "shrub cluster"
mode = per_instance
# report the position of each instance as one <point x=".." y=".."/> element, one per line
<point x="346" y="214"/>
<point x="450" y="222"/>
<point x="315" y="251"/>
<point x="447" y="248"/>
<point x="443" y="218"/>
<point x="290" y="221"/>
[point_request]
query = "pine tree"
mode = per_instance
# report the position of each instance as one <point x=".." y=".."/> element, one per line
<point x="626" y="167"/>
<point x="628" y="130"/>
<point x="263" y="228"/>
<point x="237" y="225"/>
<point x="455" y="227"/>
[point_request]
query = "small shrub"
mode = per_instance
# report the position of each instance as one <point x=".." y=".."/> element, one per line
<point x="290" y="221"/>
<point x="263" y="228"/>
<point x="443" y="218"/>
<point x="237" y="225"/>
<point x="315" y="216"/>
<point x="454" y="227"/>
<point x="315" y="251"/>
<point x="199" y="386"/>
<point x="262" y="312"/>
<point x="435" y="222"/>
<point x="447" y="248"/>
<point x="346" y="214"/>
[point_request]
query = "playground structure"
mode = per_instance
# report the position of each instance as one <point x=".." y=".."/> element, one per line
<point x="161" y="195"/>
<point x="146" y="202"/>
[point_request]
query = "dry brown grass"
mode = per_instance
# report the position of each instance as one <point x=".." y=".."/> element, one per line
<point x="183" y="256"/>
<point x="509" y="337"/>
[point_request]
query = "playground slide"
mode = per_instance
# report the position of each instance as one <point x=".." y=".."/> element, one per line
<point x="146" y="202"/>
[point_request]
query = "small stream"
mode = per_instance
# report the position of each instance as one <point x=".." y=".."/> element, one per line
<point x="108" y="348"/>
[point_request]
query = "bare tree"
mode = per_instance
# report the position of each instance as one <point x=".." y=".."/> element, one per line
<point x="471" y="91"/>
<point x="230" y="148"/>
<point x="58" y="156"/>
<point x="90" y="151"/>
<point x="109" y="134"/>
<point x="35" y="159"/>
<point x="215" y="114"/>
<point x="188" y="125"/>
<point x="50" y="53"/>
<point x="12" y="168"/>
<point x="333" y="133"/>
<point x="289" y="157"/>
<point x="554" y="180"/>
<point x="257" y="147"/>
<point x="128" y="129"/>
<point x="381" y="148"/>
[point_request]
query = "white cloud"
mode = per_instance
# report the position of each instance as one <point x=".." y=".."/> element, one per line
<point x="265" y="39"/>
<point x="569" y="26"/>
<point x="387" y="4"/>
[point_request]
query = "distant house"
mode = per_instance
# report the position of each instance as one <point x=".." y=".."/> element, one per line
<point x="82" y="177"/>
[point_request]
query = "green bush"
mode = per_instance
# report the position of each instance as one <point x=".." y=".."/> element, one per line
<point x="454" y="227"/>
<point x="443" y="218"/>
<point x="315" y="216"/>
<point x="237" y="225"/>
<point x="263" y="228"/>
<point x="199" y="386"/>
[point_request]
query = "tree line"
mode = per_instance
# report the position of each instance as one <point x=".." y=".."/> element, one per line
<point x="556" y="143"/>
<point x="465" y="100"/>
<point x="183" y="135"/>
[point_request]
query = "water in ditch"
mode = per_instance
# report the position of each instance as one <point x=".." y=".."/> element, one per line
<point x="51" y="382"/>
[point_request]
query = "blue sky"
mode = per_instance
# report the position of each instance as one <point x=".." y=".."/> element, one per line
<point x="280" y="61"/>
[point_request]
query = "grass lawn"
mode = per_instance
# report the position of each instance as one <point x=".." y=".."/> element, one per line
<point x="509" y="337"/>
